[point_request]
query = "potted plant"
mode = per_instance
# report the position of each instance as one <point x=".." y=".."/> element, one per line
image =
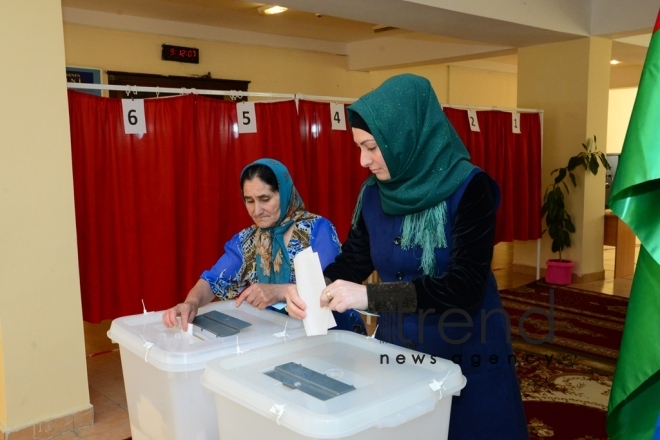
<point x="557" y="221"/>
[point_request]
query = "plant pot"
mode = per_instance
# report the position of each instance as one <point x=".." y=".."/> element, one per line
<point x="558" y="272"/>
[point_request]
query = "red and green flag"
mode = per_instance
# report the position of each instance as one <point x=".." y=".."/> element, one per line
<point x="635" y="399"/>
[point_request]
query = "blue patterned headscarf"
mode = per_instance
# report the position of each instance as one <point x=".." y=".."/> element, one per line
<point x="272" y="260"/>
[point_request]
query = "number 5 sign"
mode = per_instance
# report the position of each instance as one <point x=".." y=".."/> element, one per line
<point x="247" y="121"/>
<point x="134" y="121"/>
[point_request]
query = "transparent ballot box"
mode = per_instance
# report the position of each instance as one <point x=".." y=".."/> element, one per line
<point x="339" y="385"/>
<point x="162" y="367"/>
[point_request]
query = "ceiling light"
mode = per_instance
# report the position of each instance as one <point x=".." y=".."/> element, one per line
<point x="270" y="10"/>
<point x="614" y="62"/>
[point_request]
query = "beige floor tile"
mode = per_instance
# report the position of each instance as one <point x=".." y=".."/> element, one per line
<point x="66" y="436"/>
<point x="602" y="286"/>
<point x="622" y="286"/>
<point x="111" y="423"/>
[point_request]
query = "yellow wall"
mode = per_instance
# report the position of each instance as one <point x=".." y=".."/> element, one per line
<point x="274" y="70"/>
<point x="269" y="69"/>
<point x="42" y="346"/>
<point x="573" y="94"/>
<point x="482" y="88"/>
<point x="3" y="386"/>
<point x="620" y="108"/>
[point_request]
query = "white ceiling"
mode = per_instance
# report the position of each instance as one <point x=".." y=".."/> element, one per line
<point x="426" y="31"/>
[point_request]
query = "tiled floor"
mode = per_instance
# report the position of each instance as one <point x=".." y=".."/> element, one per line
<point x="106" y="384"/>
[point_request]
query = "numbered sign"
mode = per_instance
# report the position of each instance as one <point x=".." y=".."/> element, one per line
<point x="247" y="117"/>
<point x="515" y="122"/>
<point x="337" y="116"/>
<point x="472" y="119"/>
<point x="134" y="121"/>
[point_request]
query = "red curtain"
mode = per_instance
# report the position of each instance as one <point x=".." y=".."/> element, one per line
<point x="154" y="210"/>
<point x="332" y="160"/>
<point x="513" y="160"/>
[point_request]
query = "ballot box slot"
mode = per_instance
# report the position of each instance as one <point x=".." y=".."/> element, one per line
<point x="220" y="324"/>
<point x="309" y="381"/>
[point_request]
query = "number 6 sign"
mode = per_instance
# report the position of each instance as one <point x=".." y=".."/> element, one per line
<point x="134" y="121"/>
<point x="247" y="121"/>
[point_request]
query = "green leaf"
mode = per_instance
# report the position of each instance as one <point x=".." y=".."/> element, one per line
<point x="603" y="160"/>
<point x="570" y="227"/>
<point x="560" y="176"/>
<point x="572" y="176"/>
<point x="593" y="165"/>
<point x="556" y="245"/>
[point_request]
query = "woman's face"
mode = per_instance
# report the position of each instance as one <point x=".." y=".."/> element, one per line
<point x="262" y="203"/>
<point x="370" y="155"/>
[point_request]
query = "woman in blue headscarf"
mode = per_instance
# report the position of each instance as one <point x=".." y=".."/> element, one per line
<point x="258" y="261"/>
<point x="425" y="221"/>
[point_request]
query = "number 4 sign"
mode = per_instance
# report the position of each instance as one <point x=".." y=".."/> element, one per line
<point x="337" y="115"/>
<point x="134" y="121"/>
<point x="247" y="121"/>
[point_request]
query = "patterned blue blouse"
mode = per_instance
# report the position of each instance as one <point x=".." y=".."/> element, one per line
<point x="235" y="270"/>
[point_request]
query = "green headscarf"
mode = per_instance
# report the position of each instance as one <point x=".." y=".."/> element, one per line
<point x="426" y="159"/>
<point x="272" y="259"/>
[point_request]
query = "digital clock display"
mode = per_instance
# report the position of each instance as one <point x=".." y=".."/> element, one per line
<point x="181" y="54"/>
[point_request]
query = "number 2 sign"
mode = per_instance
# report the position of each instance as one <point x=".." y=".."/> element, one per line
<point x="474" y="122"/>
<point x="134" y="121"/>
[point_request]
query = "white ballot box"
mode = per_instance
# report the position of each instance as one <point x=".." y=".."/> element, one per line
<point x="334" y="386"/>
<point x="162" y="367"/>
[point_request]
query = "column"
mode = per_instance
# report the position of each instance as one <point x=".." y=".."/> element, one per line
<point x="570" y="82"/>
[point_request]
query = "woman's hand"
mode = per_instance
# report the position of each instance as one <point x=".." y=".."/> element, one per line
<point x="262" y="295"/>
<point x="186" y="310"/>
<point x="200" y="295"/>
<point x="295" y="306"/>
<point x="344" y="295"/>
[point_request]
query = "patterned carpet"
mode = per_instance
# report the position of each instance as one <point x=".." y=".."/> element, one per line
<point x="565" y="394"/>
<point x="585" y="322"/>
<point x="565" y="384"/>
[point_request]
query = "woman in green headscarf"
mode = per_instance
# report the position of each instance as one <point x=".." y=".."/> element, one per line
<point x="258" y="261"/>
<point x="425" y="221"/>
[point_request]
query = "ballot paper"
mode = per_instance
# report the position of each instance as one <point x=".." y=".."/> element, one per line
<point x="310" y="284"/>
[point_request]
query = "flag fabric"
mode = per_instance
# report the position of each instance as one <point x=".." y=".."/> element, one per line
<point x="656" y="436"/>
<point x="635" y="398"/>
